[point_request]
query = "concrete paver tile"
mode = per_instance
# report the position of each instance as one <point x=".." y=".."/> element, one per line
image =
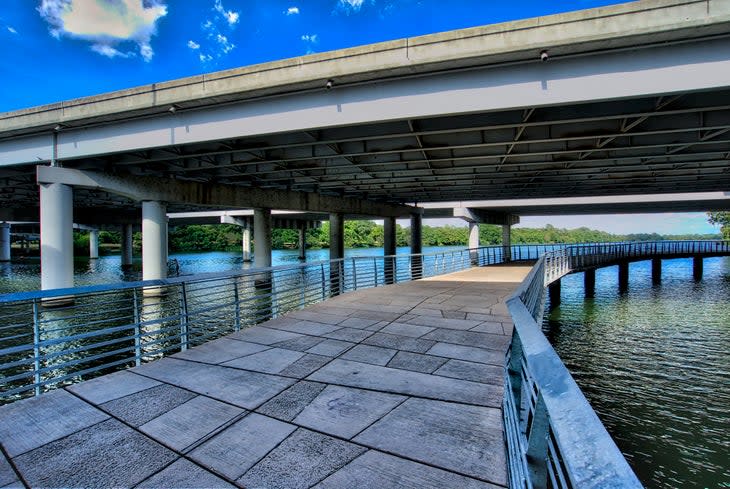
<point x="271" y="361"/>
<point x="300" y="344"/>
<point x="416" y="362"/>
<point x="112" y="386"/>
<point x="219" y="351"/>
<point x="292" y="401"/>
<point x="330" y="348"/>
<point x="264" y="336"/>
<point x="476" y="372"/>
<point x="240" y="387"/>
<point x="369" y="354"/>
<point x="305" y="366"/>
<point x="443" y="322"/>
<point x="348" y="334"/>
<point x="354" y="374"/>
<point x="7" y="474"/>
<point x="377" y="470"/>
<point x="491" y="327"/>
<point x="306" y="327"/>
<point x="137" y="409"/>
<point x="469" y="338"/>
<point x="398" y="342"/>
<point x="404" y="329"/>
<point x="359" y="323"/>
<point x="300" y="461"/>
<point x="240" y="446"/>
<point x="317" y="316"/>
<point x="468" y="353"/>
<point x="345" y="411"/>
<point x="31" y="423"/>
<point x="464" y="439"/>
<point x="108" y="454"/>
<point x="183" y="474"/>
<point x="184" y="425"/>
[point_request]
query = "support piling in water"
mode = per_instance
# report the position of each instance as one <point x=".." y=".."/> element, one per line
<point x="554" y="293"/>
<point x="589" y="283"/>
<point x="656" y="270"/>
<point x="697" y="267"/>
<point x="623" y="276"/>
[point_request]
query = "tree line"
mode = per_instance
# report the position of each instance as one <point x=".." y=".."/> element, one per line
<point x="368" y="234"/>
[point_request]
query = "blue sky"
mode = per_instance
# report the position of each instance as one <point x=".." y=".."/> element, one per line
<point x="56" y="50"/>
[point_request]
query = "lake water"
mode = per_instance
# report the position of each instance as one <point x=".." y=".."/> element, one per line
<point x="24" y="274"/>
<point x="654" y="363"/>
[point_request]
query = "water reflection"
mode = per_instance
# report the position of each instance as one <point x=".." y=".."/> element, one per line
<point x="653" y="363"/>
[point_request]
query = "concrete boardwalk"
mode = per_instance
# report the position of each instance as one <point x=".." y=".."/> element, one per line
<point x="399" y="386"/>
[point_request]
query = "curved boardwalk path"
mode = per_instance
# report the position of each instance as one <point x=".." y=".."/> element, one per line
<point x="399" y="386"/>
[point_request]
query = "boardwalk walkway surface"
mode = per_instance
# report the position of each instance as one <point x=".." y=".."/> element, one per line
<point x="399" y="386"/>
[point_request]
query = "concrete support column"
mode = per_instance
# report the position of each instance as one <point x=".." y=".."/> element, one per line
<point x="154" y="241"/>
<point x="4" y="241"/>
<point x="337" y="250"/>
<point x="474" y="242"/>
<point x="623" y="276"/>
<point x="697" y="267"/>
<point x="507" y="242"/>
<point x="389" y="248"/>
<point x="416" y="246"/>
<point x="302" y="242"/>
<point x="57" y="261"/>
<point x="656" y="270"/>
<point x="94" y="243"/>
<point x="589" y="282"/>
<point x="127" y="234"/>
<point x="262" y="236"/>
<point x="554" y="293"/>
<point x="246" y="244"/>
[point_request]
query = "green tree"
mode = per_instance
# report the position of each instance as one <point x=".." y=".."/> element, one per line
<point x="721" y="219"/>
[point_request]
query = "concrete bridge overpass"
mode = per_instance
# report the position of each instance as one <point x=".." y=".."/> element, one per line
<point x="609" y="102"/>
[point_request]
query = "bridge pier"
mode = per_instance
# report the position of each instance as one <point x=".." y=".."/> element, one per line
<point x="389" y="248"/>
<point x="127" y="234"/>
<point x="94" y="244"/>
<point x="416" y="246"/>
<point x="154" y="244"/>
<point x="262" y="237"/>
<point x="4" y="241"/>
<point x="246" y="243"/>
<point x="697" y="267"/>
<point x="656" y="270"/>
<point x="623" y="276"/>
<point x="554" y="293"/>
<point x="507" y="242"/>
<point x="57" y="271"/>
<point x="474" y="242"/>
<point x="337" y="251"/>
<point x="302" y="238"/>
<point x="589" y="283"/>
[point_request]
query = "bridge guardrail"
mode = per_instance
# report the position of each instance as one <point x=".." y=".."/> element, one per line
<point x="554" y="437"/>
<point x="116" y="326"/>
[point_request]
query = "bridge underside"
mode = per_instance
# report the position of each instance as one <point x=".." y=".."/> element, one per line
<point x="648" y="145"/>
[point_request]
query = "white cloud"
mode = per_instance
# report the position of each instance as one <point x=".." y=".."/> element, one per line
<point x="225" y="45"/>
<point x="204" y="58"/>
<point x="193" y="45"/>
<point x="106" y="23"/>
<point x="292" y="11"/>
<point x="12" y="30"/>
<point x="350" y="6"/>
<point x="310" y="38"/>
<point x="230" y="16"/>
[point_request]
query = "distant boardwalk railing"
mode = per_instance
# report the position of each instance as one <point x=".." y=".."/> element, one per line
<point x="554" y="437"/>
<point x="117" y="326"/>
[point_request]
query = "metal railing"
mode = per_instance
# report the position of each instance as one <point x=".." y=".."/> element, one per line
<point x="94" y="330"/>
<point x="554" y="437"/>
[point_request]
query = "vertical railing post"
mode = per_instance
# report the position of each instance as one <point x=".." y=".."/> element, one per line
<point x="183" y="318"/>
<point x="375" y="270"/>
<point x="236" y="306"/>
<point x="537" y="445"/>
<point x="36" y="348"/>
<point x="354" y="274"/>
<point x="324" y="286"/>
<point x="137" y="329"/>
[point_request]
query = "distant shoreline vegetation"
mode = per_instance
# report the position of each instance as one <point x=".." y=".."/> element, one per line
<point x="367" y="234"/>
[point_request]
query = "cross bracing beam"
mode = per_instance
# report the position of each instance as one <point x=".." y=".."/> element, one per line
<point x="228" y="196"/>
